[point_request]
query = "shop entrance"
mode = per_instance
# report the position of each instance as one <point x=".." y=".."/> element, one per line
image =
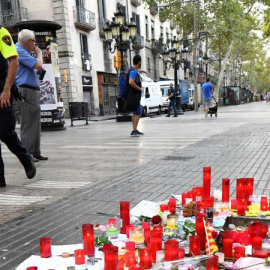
<point x="109" y="99"/>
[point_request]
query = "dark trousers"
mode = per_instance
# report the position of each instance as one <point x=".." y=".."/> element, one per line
<point x="172" y="104"/>
<point x="9" y="136"/>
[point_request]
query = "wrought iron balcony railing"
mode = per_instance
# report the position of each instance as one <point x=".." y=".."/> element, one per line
<point x="10" y="17"/>
<point x="138" y="42"/>
<point x="156" y="46"/>
<point x="136" y="3"/>
<point x="86" y="62"/>
<point x="154" y="9"/>
<point x="84" y="19"/>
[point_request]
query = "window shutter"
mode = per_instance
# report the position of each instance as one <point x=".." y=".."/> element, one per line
<point x="138" y="24"/>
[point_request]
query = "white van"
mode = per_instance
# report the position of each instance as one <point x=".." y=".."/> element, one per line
<point x="164" y="87"/>
<point x="151" y="100"/>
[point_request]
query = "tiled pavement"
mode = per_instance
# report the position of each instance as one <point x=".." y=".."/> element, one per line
<point x="241" y="151"/>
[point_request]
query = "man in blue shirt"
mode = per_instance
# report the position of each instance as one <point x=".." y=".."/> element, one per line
<point x="28" y="82"/>
<point x="136" y="86"/>
<point x="207" y="95"/>
<point x="172" y="99"/>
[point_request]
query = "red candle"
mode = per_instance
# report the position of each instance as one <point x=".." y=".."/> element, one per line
<point x="171" y="250"/>
<point x="130" y="246"/>
<point x="233" y="204"/>
<point x="127" y="229"/>
<point x="239" y="252"/>
<point x="259" y="253"/>
<point x="79" y="255"/>
<point x="155" y="243"/>
<point x="241" y="188"/>
<point x="146" y="226"/>
<point x="124" y="215"/>
<point x="45" y="247"/>
<point x="110" y="257"/>
<point x="89" y="239"/>
<point x="264" y="203"/>
<point x="249" y="187"/>
<point x="145" y="258"/>
<point x="184" y="196"/>
<point x="32" y="268"/>
<point x="135" y="268"/>
<point x="121" y="264"/>
<point x="264" y="230"/>
<point x="206" y="181"/>
<point x="241" y="207"/>
<point x="130" y="258"/>
<point x="163" y="207"/>
<point x="181" y="253"/>
<point x="200" y="228"/>
<point x="227" y="247"/>
<point x="208" y="201"/>
<point x="199" y="194"/>
<point x="256" y="242"/>
<point x="158" y="229"/>
<point x="172" y="205"/>
<point x="212" y="263"/>
<point x="225" y="190"/>
<point x="194" y="245"/>
<point x="147" y="237"/>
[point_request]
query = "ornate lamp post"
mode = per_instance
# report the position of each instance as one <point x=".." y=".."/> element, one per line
<point x="174" y="56"/>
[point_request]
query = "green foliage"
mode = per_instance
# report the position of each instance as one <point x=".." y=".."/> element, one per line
<point x="144" y="219"/>
<point x="189" y="228"/>
<point x="101" y="240"/>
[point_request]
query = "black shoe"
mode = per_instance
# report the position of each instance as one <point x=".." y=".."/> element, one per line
<point x="40" y="157"/>
<point x="3" y="184"/>
<point x="30" y="170"/>
<point x="140" y="133"/>
<point x="35" y="159"/>
<point x="175" y="116"/>
<point x="168" y="115"/>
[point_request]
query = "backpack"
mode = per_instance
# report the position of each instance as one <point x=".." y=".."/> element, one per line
<point x="124" y="84"/>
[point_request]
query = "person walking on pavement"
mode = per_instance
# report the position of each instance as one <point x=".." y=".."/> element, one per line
<point x="207" y="95"/>
<point x="29" y="85"/>
<point x="172" y="98"/>
<point x="8" y="135"/>
<point x="136" y="86"/>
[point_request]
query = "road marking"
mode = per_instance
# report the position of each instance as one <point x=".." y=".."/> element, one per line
<point x="6" y="199"/>
<point x="58" y="184"/>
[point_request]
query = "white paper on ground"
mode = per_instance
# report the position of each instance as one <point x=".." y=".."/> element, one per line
<point x="145" y="208"/>
<point x="59" y="249"/>
<point x="177" y="197"/>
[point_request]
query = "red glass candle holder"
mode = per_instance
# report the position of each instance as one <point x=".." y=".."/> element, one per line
<point x="121" y="264"/>
<point x="259" y="253"/>
<point x="155" y="243"/>
<point x="233" y="204"/>
<point x="110" y="257"/>
<point x="130" y="246"/>
<point x="181" y="253"/>
<point x="225" y="190"/>
<point x="32" y="268"/>
<point x="200" y="228"/>
<point x="147" y="237"/>
<point x="171" y="250"/>
<point x="212" y="263"/>
<point x="249" y="187"/>
<point x="241" y="188"/>
<point x="184" y="196"/>
<point x="206" y="181"/>
<point x="241" y="207"/>
<point x="264" y="230"/>
<point x="198" y="194"/>
<point x="135" y="268"/>
<point x="130" y="259"/>
<point x="45" y="247"/>
<point x="158" y="229"/>
<point x="163" y="207"/>
<point x="89" y="239"/>
<point x="208" y="201"/>
<point x="194" y="245"/>
<point x="239" y="252"/>
<point x="264" y="203"/>
<point x="172" y="205"/>
<point x="79" y="255"/>
<point x="124" y="215"/>
<point x="145" y="258"/>
<point x="127" y="229"/>
<point x="256" y="242"/>
<point x="227" y="247"/>
<point x="146" y="226"/>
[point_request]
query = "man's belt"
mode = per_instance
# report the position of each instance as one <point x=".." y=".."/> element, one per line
<point x="29" y="86"/>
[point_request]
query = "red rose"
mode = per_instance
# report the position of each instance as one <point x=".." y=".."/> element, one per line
<point x="156" y="220"/>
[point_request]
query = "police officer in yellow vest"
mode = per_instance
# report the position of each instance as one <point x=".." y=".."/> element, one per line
<point x="8" y="71"/>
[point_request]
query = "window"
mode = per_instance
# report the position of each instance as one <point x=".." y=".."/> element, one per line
<point x="161" y="37"/>
<point x="152" y="29"/>
<point x="80" y="3"/>
<point x="136" y="19"/>
<point x="148" y="64"/>
<point x="146" y="27"/>
<point x="107" y="60"/>
<point x="85" y="55"/>
<point x="101" y="8"/>
<point x="167" y="37"/>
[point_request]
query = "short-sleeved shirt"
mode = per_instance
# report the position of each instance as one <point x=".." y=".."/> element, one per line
<point x="7" y="49"/>
<point x="172" y="91"/>
<point x="135" y="75"/>
<point x="207" y="90"/>
<point x="26" y="74"/>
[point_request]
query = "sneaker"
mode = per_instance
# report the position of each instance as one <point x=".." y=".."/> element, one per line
<point x="30" y="170"/>
<point x="134" y="134"/>
<point x="140" y="133"/>
<point x="168" y="115"/>
<point x="175" y="116"/>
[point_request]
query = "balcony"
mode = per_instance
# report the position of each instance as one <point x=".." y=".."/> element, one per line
<point x="138" y="42"/>
<point x="156" y="46"/>
<point x="154" y="9"/>
<point x="102" y="25"/>
<point x="178" y="30"/>
<point x="86" y="62"/>
<point x="10" y="17"/>
<point x="136" y="3"/>
<point x="172" y="25"/>
<point x="84" y="19"/>
<point x="162" y="16"/>
<point x="108" y="65"/>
